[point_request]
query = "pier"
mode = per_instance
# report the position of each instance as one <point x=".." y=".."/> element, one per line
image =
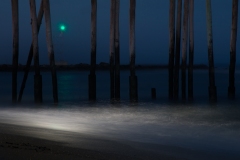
<point x="181" y="58"/>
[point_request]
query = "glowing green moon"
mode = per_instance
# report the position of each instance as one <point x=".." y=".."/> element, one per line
<point x="62" y="27"/>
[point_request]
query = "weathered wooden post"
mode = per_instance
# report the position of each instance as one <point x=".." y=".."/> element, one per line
<point x="177" y="53"/>
<point x="117" y="52"/>
<point x="153" y="93"/>
<point x="231" y="87"/>
<point x="37" y="76"/>
<point x="50" y="49"/>
<point x="191" y="50"/>
<point x="133" y="90"/>
<point x="15" y="30"/>
<point x="92" y="75"/>
<point x="212" y="88"/>
<point x="112" y="48"/>
<point x="30" y="54"/>
<point x="184" y="47"/>
<point x="171" y="47"/>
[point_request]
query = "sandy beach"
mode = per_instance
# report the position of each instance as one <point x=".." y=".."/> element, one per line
<point x="16" y="143"/>
<point x="91" y="135"/>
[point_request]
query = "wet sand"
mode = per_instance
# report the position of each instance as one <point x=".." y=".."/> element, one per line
<point x="28" y="136"/>
<point x="16" y="143"/>
<point x="21" y="143"/>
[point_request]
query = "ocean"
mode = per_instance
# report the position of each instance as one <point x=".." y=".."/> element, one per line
<point x="73" y="86"/>
<point x="212" y="129"/>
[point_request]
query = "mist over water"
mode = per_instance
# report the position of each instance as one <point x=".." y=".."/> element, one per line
<point x="196" y="126"/>
<point x="73" y="86"/>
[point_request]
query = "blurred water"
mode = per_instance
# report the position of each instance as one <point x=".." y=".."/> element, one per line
<point x="73" y="86"/>
<point x="198" y="125"/>
<point x="203" y="128"/>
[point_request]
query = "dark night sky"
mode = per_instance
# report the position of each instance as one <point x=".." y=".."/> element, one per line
<point x="151" y="31"/>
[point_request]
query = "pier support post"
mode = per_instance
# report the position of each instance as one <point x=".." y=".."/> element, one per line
<point x="30" y="54"/>
<point x="92" y="87"/>
<point x="112" y="49"/>
<point x="231" y="87"/>
<point x="47" y="12"/>
<point x="15" y="30"/>
<point x="177" y="53"/>
<point x="92" y="75"/>
<point x="191" y="50"/>
<point x="133" y="84"/>
<point x="133" y="90"/>
<point x="184" y="47"/>
<point x="171" y="47"/>
<point x="212" y="88"/>
<point x="153" y="93"/>
<point x="37" y="81"/>
<point x="117" y="52"/>
<point x="231" y="92"/>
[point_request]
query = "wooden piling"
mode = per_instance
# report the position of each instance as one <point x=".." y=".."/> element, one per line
<point x="117" y="52"/>
<point x="30" y="54"/>
<point x="177" y="53"/>
<point x="15" y="30"/>
<point x="191" y="50"/>
<point x="92" y="75"/>
<point x="133" y="84"/>
<point x="47" y="12"/>
<point x="132" y="37"/>
<point x="184" y="47"/>
<point x="153" y="93"/>
<point x="231" y="87"/>
<point x="171" y="47"/>
<point x="133" y="90"/>
<point x="37" y="76"/>
<point x="112" y="49"/>
<point x="212" y="88"/>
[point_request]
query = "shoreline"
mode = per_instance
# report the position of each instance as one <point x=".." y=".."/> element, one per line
<point x="21" y="145"/>
<point x="87" y="67"/>
<point x="22" y="142"/>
